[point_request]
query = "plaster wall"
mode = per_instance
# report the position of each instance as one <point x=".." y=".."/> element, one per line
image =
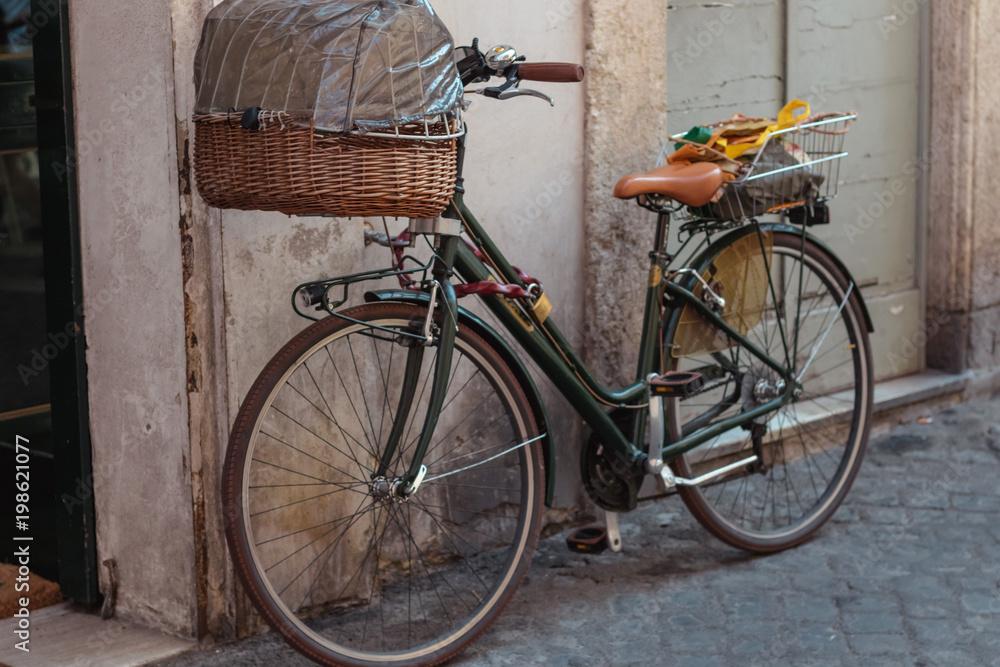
<point x="985" y="167"/>
<point x="626" y="126"/>
<point x="964" y="240"/>
<point x="204" y="339"/>
<point x="524" y="180"/>
<point x="126" y="162"/>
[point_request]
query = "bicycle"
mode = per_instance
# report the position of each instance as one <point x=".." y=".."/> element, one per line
<point x="386" y="473"/>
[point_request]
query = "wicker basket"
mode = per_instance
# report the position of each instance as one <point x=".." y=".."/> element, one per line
<point x="287" y="166"/>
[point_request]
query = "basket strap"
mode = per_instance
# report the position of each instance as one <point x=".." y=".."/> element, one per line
<point x="490" y="288"/>
<point x="525" y="278"/>
<point x="482" y="288"/>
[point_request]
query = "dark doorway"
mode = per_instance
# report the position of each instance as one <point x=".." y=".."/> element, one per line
<point x="43" y="384"/>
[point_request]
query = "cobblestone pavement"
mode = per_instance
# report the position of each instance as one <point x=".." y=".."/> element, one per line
<point x="907" y="573"/>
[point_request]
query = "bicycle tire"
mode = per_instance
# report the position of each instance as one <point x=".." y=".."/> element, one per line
<point x="811" y="457"/>
<point x="455" y="548"/>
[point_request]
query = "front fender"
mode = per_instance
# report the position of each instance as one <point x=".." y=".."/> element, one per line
<point x="506" y="352"/>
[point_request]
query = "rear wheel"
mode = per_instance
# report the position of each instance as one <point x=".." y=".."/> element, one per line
<point x="812" y="448"/>
<point x="347" y="570"/>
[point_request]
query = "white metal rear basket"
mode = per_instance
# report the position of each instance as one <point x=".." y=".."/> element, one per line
<point x="798" y="166"/>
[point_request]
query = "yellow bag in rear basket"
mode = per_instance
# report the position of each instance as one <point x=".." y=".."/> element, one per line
<point x="739" y="275"/>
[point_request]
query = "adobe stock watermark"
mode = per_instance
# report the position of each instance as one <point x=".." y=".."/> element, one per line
<point x="915" y="344"/>
<point x="59" y="340"/>
<point x="818" y="96"/>
<point x="902" y="13"/>
<point x="699" y="43"/>
<point x="893" y="192"/>
<point x="534" y="206"/>
<point x="90" y="138"/>
<point x="47" y="10"/>
<point x="562" y="13"/>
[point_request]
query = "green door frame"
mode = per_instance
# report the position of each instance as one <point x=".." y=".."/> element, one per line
<point x="64" y="302"/>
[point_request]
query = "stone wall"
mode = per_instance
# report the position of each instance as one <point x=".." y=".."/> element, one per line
<point x="126" y="162"/>
<point x="185" y="305"/>
<point x="198" y="300"/>
<point x="963" y="293"/>
<point x="626" y="127"/>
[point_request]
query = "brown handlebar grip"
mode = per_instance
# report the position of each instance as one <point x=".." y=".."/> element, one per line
<point x="551" y="72"/>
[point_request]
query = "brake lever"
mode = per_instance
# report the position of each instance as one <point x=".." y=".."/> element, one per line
<point x="507" y="93"/>
<point x="518" y="92"/>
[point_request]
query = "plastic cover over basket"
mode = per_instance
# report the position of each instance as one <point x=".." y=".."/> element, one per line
<point x="349" y="65"/>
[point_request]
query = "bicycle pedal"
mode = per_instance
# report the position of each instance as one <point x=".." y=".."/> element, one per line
<point x="591" y="540"/>
<point x="677" y="383"/>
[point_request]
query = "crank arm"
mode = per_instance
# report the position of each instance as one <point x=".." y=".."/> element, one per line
<point x="671" y="481"/>
<point x="655" y="464"/>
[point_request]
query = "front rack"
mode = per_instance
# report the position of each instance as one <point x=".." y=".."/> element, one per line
<point x="795" y="167"/>
<point x="322" y="295"/>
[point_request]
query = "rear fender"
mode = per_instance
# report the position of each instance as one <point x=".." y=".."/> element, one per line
<point x="704" y="260"/>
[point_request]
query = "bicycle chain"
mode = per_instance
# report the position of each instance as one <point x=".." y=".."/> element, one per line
<point x="707" y="388"/>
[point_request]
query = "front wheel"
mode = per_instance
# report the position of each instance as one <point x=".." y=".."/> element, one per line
<point x="349" y="571"/>
<point x="811" y="449"/>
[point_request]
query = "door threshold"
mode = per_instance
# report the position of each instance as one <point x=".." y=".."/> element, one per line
<point x="65" y="634"/>
<point x="904" y="394"/>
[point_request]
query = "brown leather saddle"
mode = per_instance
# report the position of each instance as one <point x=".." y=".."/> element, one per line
<point x="690" y="184"/>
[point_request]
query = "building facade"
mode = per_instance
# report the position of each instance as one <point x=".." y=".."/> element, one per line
<point x="183" y="304"/>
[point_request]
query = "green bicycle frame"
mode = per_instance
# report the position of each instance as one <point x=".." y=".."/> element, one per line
<point x="542" y="340"/>
<point x="546" y="345"/>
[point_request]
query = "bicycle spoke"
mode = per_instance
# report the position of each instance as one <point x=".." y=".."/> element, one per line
<point x="296" y="472"/>
<point x="471" y="438"/>
<point x="802" y="461"/>
<point x="347" y="394"/>
<point x="413" y="417"/>
<point x="292" y="504"/>
<point x="385" y="377"/>
<point x="343" y="432"/>
<point x="306" y="530"/>
<point x="361" y="385"/>
<point x="435" y="516"/>
<point x="292" y="447"/>
<point x="309" y="544"/>
<point x="449" y="533"/>
<point x="346" y="556"/>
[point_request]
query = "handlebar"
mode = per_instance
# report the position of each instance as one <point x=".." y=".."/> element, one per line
<point x="551" y="72"/>
<point x="502" y="61"/>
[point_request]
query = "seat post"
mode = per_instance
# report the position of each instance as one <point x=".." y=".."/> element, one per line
<point x="662" y="236"/>
<point x="649" y="348"/>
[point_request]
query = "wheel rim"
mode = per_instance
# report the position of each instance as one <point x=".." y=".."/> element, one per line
<point x="813" y="445"/>
<point x="368" y="577"/>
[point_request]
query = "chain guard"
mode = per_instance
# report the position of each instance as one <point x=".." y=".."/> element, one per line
<point x="611" y="484"/>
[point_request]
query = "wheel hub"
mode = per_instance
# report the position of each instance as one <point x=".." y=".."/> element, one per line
<point x="765" y="391"/>
<point x="760" y="388"/>
<point x="381" y="488"/>
<point x="388" y="490"/>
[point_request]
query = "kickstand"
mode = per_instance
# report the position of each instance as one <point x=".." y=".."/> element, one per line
<point x="597" y="539"/>
<point x="614" y="532"/>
